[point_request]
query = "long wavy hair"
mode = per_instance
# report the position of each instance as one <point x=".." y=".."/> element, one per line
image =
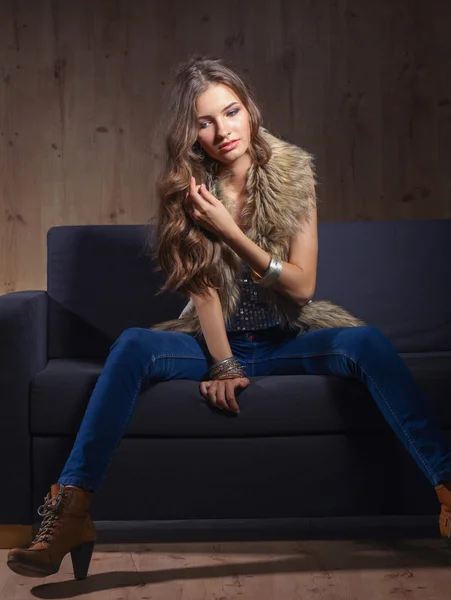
<point x="188" y="255"/>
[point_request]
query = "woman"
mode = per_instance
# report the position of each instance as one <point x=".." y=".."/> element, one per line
<point x="242" y="245"/>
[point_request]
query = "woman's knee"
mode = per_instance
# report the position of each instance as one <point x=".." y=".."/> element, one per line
<point x="148" y="341"/>
<point x="135" y="339"/>
<point x="365" y="338"/>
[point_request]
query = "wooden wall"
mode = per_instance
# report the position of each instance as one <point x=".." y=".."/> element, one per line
<point x="365" y="85"/>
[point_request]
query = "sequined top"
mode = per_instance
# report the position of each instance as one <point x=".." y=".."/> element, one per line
<point x="252" y="311"/>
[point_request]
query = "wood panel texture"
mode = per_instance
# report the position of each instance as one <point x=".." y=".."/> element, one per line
<point x="256" y="570"/>
<point x="365" y="86"/>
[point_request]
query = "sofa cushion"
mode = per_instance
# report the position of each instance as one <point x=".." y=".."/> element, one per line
<point x="306" y="404"/>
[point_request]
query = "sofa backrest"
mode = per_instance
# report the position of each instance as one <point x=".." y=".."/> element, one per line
<point x="395" y="275"/>
<point x="101" y="279"/>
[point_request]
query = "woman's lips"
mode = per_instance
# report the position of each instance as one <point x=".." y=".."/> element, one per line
<point x="230" y="146"/>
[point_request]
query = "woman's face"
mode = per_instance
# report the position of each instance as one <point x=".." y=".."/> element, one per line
<point x="222" y="117"/>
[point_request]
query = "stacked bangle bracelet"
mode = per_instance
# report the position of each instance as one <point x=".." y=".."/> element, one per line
<point x="226" y="369"/>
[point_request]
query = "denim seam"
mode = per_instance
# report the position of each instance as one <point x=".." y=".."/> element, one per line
<point x="400" y="425"/>
<point x="353" y="358"/>
<point x="126" y="420"/>
<point x="132" y="406"/>
<point x="154" y="358"/>
<point x="299" y="356"/>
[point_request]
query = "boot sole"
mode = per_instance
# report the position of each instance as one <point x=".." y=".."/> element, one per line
<point x="29" y="570"/>
<point x="80" y="555"/>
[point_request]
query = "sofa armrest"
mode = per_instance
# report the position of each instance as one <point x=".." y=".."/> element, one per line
<point x="23" y="353"/>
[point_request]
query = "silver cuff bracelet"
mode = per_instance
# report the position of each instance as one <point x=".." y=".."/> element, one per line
<point x="272" y="273"/>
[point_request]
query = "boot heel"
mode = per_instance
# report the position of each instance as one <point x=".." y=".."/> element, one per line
<point x="81" y="557"/>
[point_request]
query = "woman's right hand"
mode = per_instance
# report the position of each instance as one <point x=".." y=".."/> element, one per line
<point x="221" y="392"/>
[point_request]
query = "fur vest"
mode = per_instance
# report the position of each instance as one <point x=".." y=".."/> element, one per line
<point x="278" y="194"/>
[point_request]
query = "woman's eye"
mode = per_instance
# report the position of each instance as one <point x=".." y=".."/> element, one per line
<point x="232" y="112"/>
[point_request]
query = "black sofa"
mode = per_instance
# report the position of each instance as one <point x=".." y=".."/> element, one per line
<point x="303" y="446"/>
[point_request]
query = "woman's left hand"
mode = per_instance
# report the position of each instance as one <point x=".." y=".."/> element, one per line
<point x="207" y="211"/>
<point x="221" y="392"/>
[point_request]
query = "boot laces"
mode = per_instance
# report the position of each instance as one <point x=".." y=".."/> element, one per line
<point x="50" y="512"/>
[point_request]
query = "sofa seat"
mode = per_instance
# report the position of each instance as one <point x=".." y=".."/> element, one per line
<point x="309" y="404"/>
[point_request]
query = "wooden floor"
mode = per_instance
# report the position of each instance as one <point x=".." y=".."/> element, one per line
<point x="286" y="570"/>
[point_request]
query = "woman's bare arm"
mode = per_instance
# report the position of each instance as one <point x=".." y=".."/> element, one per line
<point x="211" y="320"/>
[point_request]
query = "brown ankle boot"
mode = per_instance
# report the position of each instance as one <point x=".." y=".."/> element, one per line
<point x="444" y="497"/>
<point x="66" y="527"/>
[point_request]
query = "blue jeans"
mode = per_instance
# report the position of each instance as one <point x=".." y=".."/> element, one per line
<point x="140" y="357"/>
